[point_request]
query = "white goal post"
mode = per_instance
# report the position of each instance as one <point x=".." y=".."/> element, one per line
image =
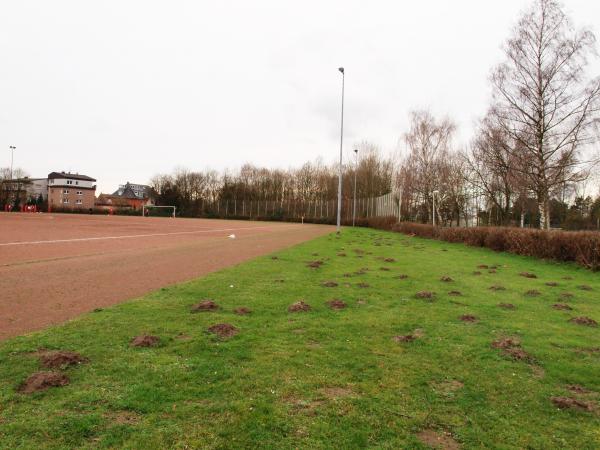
<point x="148" y="207"/>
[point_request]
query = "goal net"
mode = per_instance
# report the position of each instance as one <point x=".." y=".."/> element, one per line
<point x="154" y="210"/>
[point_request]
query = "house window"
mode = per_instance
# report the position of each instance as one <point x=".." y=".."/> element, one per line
<point x="65" y="200"/>
<point x="65" y="191"/>
<point x="79" y="192"/>
<point x="69" y="181"/>
<point x="77" y="182"/>
<point x="79" y="201"/>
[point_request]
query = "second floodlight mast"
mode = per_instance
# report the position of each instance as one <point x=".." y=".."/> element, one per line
<point x="339" y="205"/>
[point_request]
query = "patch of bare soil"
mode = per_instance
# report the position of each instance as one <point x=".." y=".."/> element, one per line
<point x="242" y="311"/>
<point x="145" y="340"/>
<point x="359" y="251"/>
<point x="497" y="287"/>
<point x="551" y="283"/>
<point x="446" y="279"/>
<point x="308" y="407"/>
<point x="336" y="392"/>
<point x="205" y="305"/>
<point x="438" y="440"/>
<point x="528" y="275"/>
<point x="577" y="389"/>
<point x="506" y="343"/>
<point x="533" y="293"/>
<point x="61" y="358"/>
<point x="511" y="347"/>
<point x="405" y="338"/>
<point x="223" y="330"/>
<point x="572" y="403"/>
<point x="274" y="258"/>
<point x="447" y="387"/>
<point x="299" y="306"/>
<point x="483" y="266"/>
<point x="455" y="293"/>
<point x="468" y="318"/>
<point x="360" y="301"/>
<point x="588" y="322"/>
<point x="389" y="260"/>
<point x="562" y="307"/>
<point x="425" y="294"/>
<point x="336" y="304"/>
<point x="507" y="306"/>
<point x="363" y="285"/>
<point x="385" y="269"/>
<point x="123" y="417"/>
<point x="492" y="271"/>
<point x="279" y="280"/>
<point x="402" y="276"/>
<point x="314" y="264"/>
<point x="342" y="254"/>
<point x="477" y="272"/>
<point x="585" y="287"/>
<point x="348" y="275"/>
<point x="566" y="295"/>
<point x="40" y="381"/>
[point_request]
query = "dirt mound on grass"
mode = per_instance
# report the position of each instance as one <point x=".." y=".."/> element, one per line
<point x="446" y="279"/>
<point x="483" y="266"/>
<point x="506" y="343"/>
<point x="468" y="318"/>
<point x="438" y="440"/>
<point x="585" y="287"/>
<point x="205" y="305"/>
<point x="507" y="306"/>
<point x="578" y="389"/>
<point x="40" y="381"/>
<point x="425" y="294"/>
<point x="477" y="272"/>
<point x="363" y="285"/>
<point x="528" y="275"/>
<point x="223" y="330"/>
<point x="571" y="403"/>
<point x="455" y="293"/>
<point x="562" y="307"/>
<point x="299" y="306"/>
<point x="566" y="295"/>
<point x="145" y="340"/>
<point x="61" y="358"/>
<point x="532" y="293"/>
<point x="329" y="284"/>
<point x="405" y="338"/>
<point x="242" y="311"/>
<point x="584" y="321"/>
<point x="492" y="271"/>
<point x="551" y="283"/>
<point x="402" y="276"/>
<point x="342" y="254"/>
<point x="314" y="264"/>
<point x="336" y="304"/>
<point x="385" y="269"/>
<point x="497" y="287"/>
<point x="389" y="260"/>
<point x="274" y="258"/>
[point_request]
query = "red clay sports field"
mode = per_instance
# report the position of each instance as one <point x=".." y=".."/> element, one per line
<point x="54" y="267"/>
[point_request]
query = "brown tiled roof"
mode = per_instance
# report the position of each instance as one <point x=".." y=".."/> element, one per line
<point x="74" y="176"/>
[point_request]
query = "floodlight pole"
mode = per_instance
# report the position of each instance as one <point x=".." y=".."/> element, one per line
<point x="434" y="193"/>
<point x="339" y="205"/>
<point x="355" y="170"/>
<point x="12" y="157"/>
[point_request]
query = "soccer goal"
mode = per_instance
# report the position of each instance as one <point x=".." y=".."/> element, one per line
<point x="147" y="208"/>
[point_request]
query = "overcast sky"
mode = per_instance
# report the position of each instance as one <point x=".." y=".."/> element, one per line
<point x="122" y="90"/>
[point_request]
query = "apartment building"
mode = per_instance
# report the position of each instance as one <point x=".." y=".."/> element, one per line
<point x="70" y="191"/>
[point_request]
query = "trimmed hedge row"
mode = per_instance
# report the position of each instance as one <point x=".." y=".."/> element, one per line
<point x="581" y="247"/>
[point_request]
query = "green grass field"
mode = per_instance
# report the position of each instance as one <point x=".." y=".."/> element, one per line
<point x="326" y="378"/>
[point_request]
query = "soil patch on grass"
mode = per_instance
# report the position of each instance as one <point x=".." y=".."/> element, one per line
<point x="123" y="417"/>
<point x="468" y="318"/>
<point x="404" y="338"/>
<point x="336" y="392"/>
<point x="497" y="287"/>
<point x="562" y="307"/>
<point x="389" y="260"/>
<point x="447" y="387"/>
<point x="242" y="311"/>
<point x="455" y="293"/>
<point x="223" y="330"/>
<point x="586" y="321"/>
<point x="427" y="295"/>
<point x="314" y="264"/>
<point x="446" y="279"/>
<point x="363" y="285"/>
<point x="511" y="348"/>
<point x="385" y="269"/>
<point x="40" y="381"/>
<point x="205" y="305"/>
<point x="483" y="266"/>
<point x="299" y="307"/>
<point x="438" y="440"/>
<point x="507" y="306"/>
<point x="402" y="276"/>
<point x="551" y="283"/>
<point x="572" y="403"/>
<point x="336" y="304"/>
<point x="61" y="358"/>
<point x="145" y="340"/>
<point x="528" y="275"/>
<point x="533" y="293"/>
<point x="577" y="389"/>
<point x="566" y="295"/>
<point x="585" y="287"/>
<point x="329" y="284"/>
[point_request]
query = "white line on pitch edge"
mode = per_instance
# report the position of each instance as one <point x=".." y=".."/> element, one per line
<point x="58" y="241"/>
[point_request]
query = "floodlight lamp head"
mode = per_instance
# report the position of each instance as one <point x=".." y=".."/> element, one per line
<point x="341" y="69"/>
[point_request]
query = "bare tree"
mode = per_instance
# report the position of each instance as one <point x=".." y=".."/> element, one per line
<point x="543" y="101"/>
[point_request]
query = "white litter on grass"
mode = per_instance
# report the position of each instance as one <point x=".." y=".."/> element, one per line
<point x="231" y="236"/>
<point x="231" y="285"/>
